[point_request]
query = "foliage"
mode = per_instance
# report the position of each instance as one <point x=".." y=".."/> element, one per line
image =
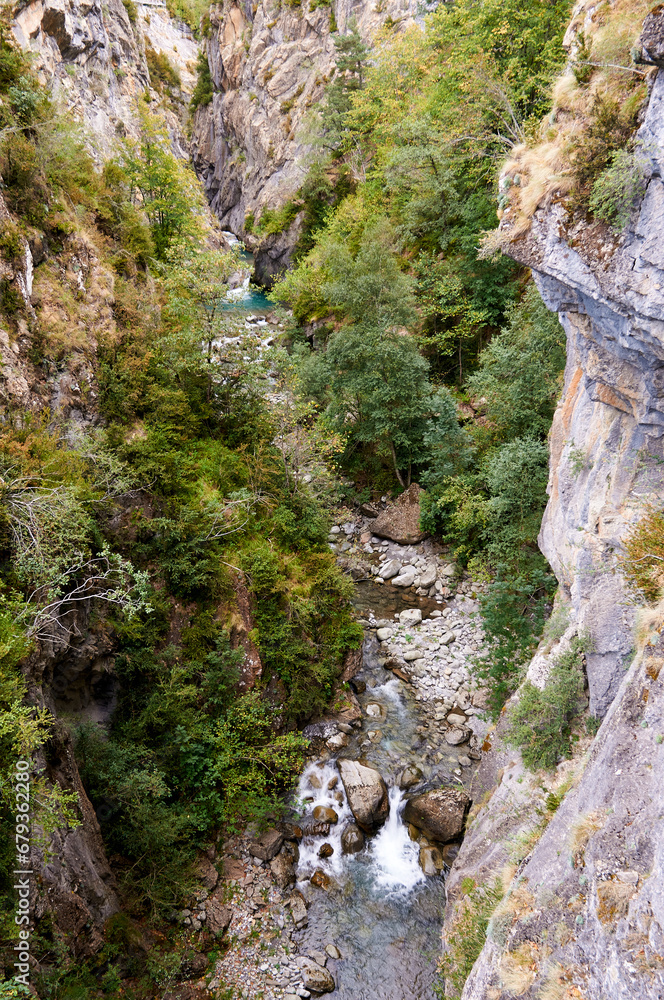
<point x="162" y="72"/>
<point x="643" y="561"/>
<point x="518" y="377"/>
<point x="204" y="89"/>
<point x="618" y="187"/>
<point x="466" y="937"/>
<point x="539" y="724"/>
<point x="351" y="63"/>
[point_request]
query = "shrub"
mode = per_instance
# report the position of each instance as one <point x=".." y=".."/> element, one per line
<point x="11" y="243"/>
<point x="539" y="724"/>
<point x="132" y="10"/>
<point x="162" y="72"/>
<point x="617" y="188"/>
<point x="643" y="561"/>
<point x="204" y="89"/>
<point x="466" y="936"/>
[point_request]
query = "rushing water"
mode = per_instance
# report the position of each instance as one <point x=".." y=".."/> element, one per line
<point x="247" y="298"/>
<point x="380" y="911"/>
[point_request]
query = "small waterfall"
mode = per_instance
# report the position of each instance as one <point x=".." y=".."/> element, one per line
<point x="315" y="785"/>
<point x="395" y="855"/>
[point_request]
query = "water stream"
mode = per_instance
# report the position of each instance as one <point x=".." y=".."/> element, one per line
<point x="381" y="912"/>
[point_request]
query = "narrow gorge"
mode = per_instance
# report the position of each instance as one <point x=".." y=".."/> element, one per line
<point x="332" y="530"/>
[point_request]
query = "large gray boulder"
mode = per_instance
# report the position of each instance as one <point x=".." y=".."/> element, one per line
<point x="440" y="814"/>
<point x="316" y="978"/>
<point x="366" y="793"/>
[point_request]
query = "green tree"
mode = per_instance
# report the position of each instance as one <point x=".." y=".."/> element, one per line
<point x="351" y="62"/>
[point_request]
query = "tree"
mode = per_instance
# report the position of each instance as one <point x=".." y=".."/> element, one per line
<point x="351" y="63"/>
<point x="164" y="186"/>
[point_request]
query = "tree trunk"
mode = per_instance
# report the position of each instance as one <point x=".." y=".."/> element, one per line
<point x="396" y="467"/>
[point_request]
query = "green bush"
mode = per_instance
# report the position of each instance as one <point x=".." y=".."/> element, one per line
<point x="539" y="724"/>
<point x="204" y="89"/>
<point x="617" y="189"/>
<point x="162" y="72"/>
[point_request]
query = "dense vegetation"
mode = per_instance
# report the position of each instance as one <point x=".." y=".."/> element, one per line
<point x="150" y="532"/>
<point x="421" y="129"/>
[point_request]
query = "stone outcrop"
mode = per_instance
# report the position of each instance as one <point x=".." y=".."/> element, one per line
<point x="366" y="793"/>
<point x="583" y="916"/>
<point x="270" y="67"/>
<point x="440" y="814"/>
<point x="400" y="522"/>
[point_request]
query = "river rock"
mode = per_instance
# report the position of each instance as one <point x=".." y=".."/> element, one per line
<point x="455" y="719"/>
<point x="316" y="978"/>
<point x="291" y="831"/>
<point x="375" y="711"/>
<point x="316" y="829"/>
<point x="400" y="521"/>
<point x="410" y="776"/>
<point x="428" y="576"/>
<point x="412" y="616"/>
<point x="390" y="569"/>
<point x="338" y="742"/>
<point x="332" y="951"/>
<point x="413" y="654"/>
<point x="431" y="860"/>
<point x="406" y="579"/>
<point x="325" y="851"/>
<point x="448" y="637"/>
<point x="384" y="634"/>
<point x="366" y="793"/>
<point x="352" y="839"/>
<point x="440" y="814"/>
<point x="282" y="869"/>
<point x="323" y="814"/>
<point x="298" y="909"/>
<point x="456" y="736"/>
<point x="267" y="845"/>
<point x="218" y="917"/>
<point x="320" y="879"/>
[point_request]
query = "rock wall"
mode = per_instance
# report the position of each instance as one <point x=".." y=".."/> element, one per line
<point x="92" y="58"/>
<point x="269" y="65"/>
<point x="583" y="914"/>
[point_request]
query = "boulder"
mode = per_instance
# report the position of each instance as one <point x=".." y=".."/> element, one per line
<point x="400" y="521"/>
<point x="431" y="860"/>
<point x="352" y="839"/>
<point x="325" y="851"/>
<point x="298" y="909"/>
<point x="652" y="38"/>
<point x="411" y="616"/>
<point x="291" y="831"/>
<point x="456" y="736"/>
<point x="338" y="742"/>
<point x="410" y="776"/>
<point x="440" y="814"/>
<point x="320" y="879"/>
<point x="218" y="917"/>
<point x="428" y="577"/>
<point x="323" y="814"/>
<point x="385" y="633"/>
<point x="366" y="793"/>
<point x="267" y="845"/>
<point x="375" y="711"/>
<point x="207" y="872"/>
<point x="455" y="719"/>
<point x="389" y="569"/>
<point x="282" y="869"/>
<point x="405" y="579"/>
<point x="316" y="978"/>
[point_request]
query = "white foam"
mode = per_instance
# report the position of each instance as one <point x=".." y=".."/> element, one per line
<point x="395" y="855"/>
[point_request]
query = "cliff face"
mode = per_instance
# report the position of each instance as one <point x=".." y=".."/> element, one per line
<point x="92" y="57"/>
<point x="583" y="915"/>
<point x="269" y="66"/>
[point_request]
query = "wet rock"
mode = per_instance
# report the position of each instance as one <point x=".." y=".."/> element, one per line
<point x="359" y="687"/>
<point x="409" y="777"/>
<point x="440" y="814"/>
<point x="316" y="978"/>
<point x="314" y="781"/>
<point x="267" y="845"/>
<point x="465" y="761"/>
<point x="412" y="616"/>
<point x="333" y="782"/>
<point x="319" y="957"/>
<point x="375" y="711"/>
<point x="431" y="860"/>
<point x="456" y="736"/>
<point x="291" y="831"/>
<point x="320" y="879"/>
<point x="344" y="727"/>
<point x="406" y="579"/>
<point x="325" y="851"/>
<point x="338" y="742"/>
<point x="366" y="793"/>
<point x="384" y="634"/>
<point x="400" y="521"/>
<point x="352" y="839"/>
<point x="316" y="829"/>
<point x="323" y="814"/>
<point x="450" y="852"/>
<point x="332" y="951"/>
<point x="282" y="869"/>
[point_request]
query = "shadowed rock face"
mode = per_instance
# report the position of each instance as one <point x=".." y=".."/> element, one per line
<point x="440" y="814"/>
<point x="269" y="67"/>
<point x="607" y="434"/>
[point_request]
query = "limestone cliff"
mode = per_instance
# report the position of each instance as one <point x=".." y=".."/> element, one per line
<point x="583" y="914"/>
<point x="270" y="64"/>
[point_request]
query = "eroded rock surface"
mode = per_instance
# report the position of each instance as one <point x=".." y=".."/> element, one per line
<point x="400" y="522"/>
<point x="367" y="794"/>
<point x="440" y="814"/>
